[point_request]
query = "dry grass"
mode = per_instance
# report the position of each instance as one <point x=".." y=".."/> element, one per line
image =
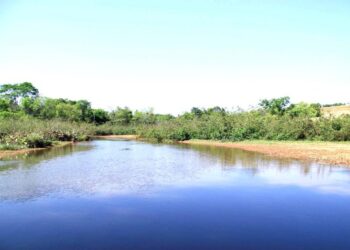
<point x="321" y="152"/>
<point x="335" y="111"/>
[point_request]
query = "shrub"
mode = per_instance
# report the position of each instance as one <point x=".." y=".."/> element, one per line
<point x="35" y="140"/>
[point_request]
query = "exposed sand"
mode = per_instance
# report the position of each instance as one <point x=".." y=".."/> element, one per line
<point x="334" y="153"/>
<point x="335" y="111"/>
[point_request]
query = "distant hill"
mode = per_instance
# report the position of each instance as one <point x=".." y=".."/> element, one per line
<point x="335" y="111"/>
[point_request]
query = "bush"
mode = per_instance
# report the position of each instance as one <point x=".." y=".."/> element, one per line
<point x="35" y="140"/>
<point x="30" y="132"/>
<point x="253" y="125"/>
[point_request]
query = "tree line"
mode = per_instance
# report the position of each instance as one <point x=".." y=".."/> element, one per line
<point x="30" y="120"/>
<point x="22" y="99"/>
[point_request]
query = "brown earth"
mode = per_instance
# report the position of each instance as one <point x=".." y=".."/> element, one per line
<point x="332" y="153"/>
<point x="335" y="111"/>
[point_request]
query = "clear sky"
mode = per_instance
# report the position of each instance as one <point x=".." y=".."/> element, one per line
<point x="175" y="54"/>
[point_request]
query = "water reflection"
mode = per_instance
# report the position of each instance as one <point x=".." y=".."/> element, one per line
<point x="135" y="195"/>
<point x="253" y="160"/>
<point x="128" y="167"/>
<point x="257" y="162"/>
<point x="34" y="157"/>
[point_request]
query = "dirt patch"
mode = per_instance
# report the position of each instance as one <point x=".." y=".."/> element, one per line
<point x="335" y="111"/>
<point x="321" y="152"/>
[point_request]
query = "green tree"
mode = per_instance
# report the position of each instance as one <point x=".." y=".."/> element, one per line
<point x="14" y="92"/>
<point x="305" y="110"/>
<point x="48" y="110"/>
<point x="276" y="106"/>
<point x="99" y="116"/>
<point x="147" y="117"/>
<point x="5" y="104"/>
<point x="86" y="111"/>
<point x="31" y="106"/>
<point x="122" y="116"/>
<point x="197" y="112"/>
<point x="216" y="109"/>
<point x="68" y="112"/>
<point x="164" y="117"/>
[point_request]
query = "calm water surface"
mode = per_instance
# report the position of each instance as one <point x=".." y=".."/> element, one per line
<point x="135" y="195"/>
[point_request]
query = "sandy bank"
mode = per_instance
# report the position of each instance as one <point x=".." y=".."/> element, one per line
<point x="334" y="153"/>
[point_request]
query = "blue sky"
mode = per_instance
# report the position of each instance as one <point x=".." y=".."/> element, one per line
<point x="172" y="55"/>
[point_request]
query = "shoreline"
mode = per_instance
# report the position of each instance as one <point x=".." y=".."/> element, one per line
<point x="332" y="153"/>
<point x="11" y="153"/>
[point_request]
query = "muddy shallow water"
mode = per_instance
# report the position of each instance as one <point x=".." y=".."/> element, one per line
<point x="134" y="195"/>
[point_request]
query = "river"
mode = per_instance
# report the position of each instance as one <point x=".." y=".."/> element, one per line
<point x="119" y="194"/>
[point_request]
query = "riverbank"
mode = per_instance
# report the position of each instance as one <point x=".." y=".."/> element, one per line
<point x="334" y="153"/>
<point x="11" y="153"/>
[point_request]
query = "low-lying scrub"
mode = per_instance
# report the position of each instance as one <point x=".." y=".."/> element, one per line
<point x="27" y="132"/>
<point x="252" y="125"/>
<point x="110" y="129"/>
<point x="30" y="120"/>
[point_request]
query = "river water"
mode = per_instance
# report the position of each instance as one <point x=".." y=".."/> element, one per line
<point x="115" y="194"/>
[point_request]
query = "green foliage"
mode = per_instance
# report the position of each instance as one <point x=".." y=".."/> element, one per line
<point x="304" y="110"/>
<point x="86" y="111"/>
<point x="163" y="118"/>
<point x="28" y="120"/>
<point x="196" y="112"/>
<point x="15" y="91"/>
<point x="121" y="116"/>
<point x="26" y="131"/>
<point x="99" y="116"/>
<point x="112" y="129"/>
<point x="252" y="125"/>
<point x="147" y="117"/>
<point x="276" y="106"/>
<point x="68" y="112"/>
<point x="334" y="104"/>
<point x="5" y="104"/>
<point x="35" y="140"/>
<point x="31" y="106"/>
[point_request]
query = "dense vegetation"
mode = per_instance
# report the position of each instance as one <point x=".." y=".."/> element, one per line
<point x="275" y="119"/>
<point x="27" y="132"/>
<point x="30" y="120"/>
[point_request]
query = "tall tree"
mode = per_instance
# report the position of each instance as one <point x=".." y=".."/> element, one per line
<point x="121" y="116"/>
<point x="15" y="92"/>
<point x="276" y="106"/>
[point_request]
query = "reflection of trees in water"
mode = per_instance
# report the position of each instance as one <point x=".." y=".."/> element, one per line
<point x="34" y="157"/>
<point x="110" y="169"/>
<point x="29" y="186"/>
<point x="231" y="157"/>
